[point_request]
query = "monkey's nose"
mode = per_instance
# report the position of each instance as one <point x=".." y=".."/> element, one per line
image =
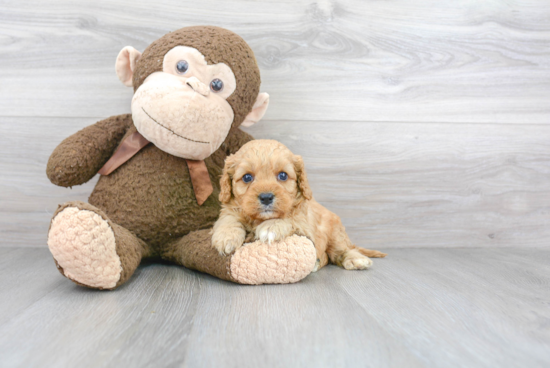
<point x="198" y="86"/>
<point x="266" y="198"/>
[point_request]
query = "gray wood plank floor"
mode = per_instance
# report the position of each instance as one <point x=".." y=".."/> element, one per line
<point x="416" y="308"/>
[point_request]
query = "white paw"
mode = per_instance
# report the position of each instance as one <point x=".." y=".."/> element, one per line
<point x="317" y="266"/>
<point x="267" y="236"/>
<point x="357" y="263"/>
<point x="273" y="230"/>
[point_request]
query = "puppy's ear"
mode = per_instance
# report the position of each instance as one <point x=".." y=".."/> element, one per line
<point x="225" y="181"/>
<point x="303" y="184"/>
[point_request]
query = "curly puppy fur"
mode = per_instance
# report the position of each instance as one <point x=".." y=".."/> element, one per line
<point x="287" y="207"/>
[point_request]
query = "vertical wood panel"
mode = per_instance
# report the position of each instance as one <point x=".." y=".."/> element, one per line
<point x="393" y="184"/>
<point x="422" y="123"/>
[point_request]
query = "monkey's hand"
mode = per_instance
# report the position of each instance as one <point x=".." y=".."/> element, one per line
<point x="79" y="157"/>
<point x="273" y="230"/>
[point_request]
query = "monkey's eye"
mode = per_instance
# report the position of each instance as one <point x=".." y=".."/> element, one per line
<point x="216" y="85"/>
<point x="282" y="176"/>
<point x="182" y="66"/>
<point x="247" y="178"/>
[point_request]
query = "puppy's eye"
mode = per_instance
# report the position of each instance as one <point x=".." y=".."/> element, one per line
<point x="282" y="176"/>
<point x="182" y="66"/>
<point x="247" y="178"/>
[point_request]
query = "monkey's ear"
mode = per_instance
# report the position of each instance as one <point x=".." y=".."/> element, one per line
<point x="126" y="64"/>
<point x="258" y="110"/>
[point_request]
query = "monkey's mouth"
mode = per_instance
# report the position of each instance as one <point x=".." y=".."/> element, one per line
<point x="171" y="131"/>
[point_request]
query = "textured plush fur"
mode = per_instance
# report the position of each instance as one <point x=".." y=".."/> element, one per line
<point x="99" y="266"/>
<point x="218" y="45"/>
<point x="149" y="202"/>
<point x="293" y="210"/>
<point x="151" y="194"/>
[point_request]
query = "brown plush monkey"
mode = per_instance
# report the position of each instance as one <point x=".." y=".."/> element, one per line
<point x="158" y="193"/>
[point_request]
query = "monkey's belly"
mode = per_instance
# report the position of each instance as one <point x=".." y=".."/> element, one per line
<point x="152" y="196"/>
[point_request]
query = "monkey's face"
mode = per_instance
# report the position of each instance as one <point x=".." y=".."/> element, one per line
<point x="183" y="109"/>
<point x="192" y="87"/>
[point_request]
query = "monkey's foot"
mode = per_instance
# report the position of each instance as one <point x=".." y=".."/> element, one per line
<point x="287" y="261"/>
<point x="84" y="247"/>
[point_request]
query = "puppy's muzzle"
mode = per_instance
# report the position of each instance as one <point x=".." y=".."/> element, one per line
<point x="266" y="198"/>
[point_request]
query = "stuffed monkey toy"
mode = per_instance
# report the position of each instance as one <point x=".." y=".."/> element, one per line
<point x="157" y="196"/>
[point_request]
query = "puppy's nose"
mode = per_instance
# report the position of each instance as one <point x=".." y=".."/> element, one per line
<point x="266" y="198"/>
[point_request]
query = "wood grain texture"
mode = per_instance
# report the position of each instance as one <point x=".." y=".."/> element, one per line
<point x="352" y="60"/>
<point x="415" y="308"/>
<point x="393" y="184"/>
<point x="422" y="124"/>
<point x="427" y="185"/>
<point x="28" y="199"/>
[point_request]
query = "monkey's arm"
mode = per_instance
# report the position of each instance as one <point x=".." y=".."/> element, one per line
<point x="236" y="141"/>
<point x="79" y="157"/>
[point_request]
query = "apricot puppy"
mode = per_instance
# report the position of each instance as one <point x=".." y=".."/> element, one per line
<point x="265" y="196"/>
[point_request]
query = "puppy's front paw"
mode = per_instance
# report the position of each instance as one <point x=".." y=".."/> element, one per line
<point x="356" y="261"/>
<point x="228" y="240"/>
<point x="273" y="230"/>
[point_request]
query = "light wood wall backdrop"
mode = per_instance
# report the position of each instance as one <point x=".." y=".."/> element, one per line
<point x="422" y="123"/>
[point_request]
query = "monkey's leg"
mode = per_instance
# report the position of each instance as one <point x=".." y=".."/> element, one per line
<point x="90" y="249"/>
<point x="255" y="263"/>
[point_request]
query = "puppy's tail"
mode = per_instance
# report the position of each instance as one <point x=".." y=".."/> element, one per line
<point x="371" y="253"/>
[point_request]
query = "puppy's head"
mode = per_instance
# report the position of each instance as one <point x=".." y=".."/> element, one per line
<point x="264" y="179"/>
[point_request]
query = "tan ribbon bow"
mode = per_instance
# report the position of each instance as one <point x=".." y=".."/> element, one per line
<point x="127" y="149"/>
<point x="202" y="186"/>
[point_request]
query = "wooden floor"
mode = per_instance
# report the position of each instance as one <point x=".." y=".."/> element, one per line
<point x="416" y="308"/>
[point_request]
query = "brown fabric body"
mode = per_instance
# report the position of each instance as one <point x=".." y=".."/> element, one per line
<point x="195" y="251"/>
<point x="134" y="142"/>
<point x="152" y="194"/>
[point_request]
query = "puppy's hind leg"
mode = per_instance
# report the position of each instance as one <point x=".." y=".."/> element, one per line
<point x="352" y="259"/>
<point x="344" y="253"/>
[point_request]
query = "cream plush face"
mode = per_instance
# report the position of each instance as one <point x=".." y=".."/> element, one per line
<point x="182" y="109"/>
